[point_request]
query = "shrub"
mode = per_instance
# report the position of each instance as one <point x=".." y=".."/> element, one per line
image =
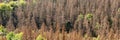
<point x="40" y="38"/>
<point x="2" y="30"/>
<point x="89" y="16"/>
<point x="80" y="17"/>
<point x="96" y="38"/>
<point x="85" y="36"/>
<point x="10" y="36"/>
<point x="13" y="36"/>
<point x="97" y="26"/>
<point x="18" y="36"/>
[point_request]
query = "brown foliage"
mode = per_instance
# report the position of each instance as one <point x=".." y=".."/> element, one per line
<point x="49" y="18"/>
